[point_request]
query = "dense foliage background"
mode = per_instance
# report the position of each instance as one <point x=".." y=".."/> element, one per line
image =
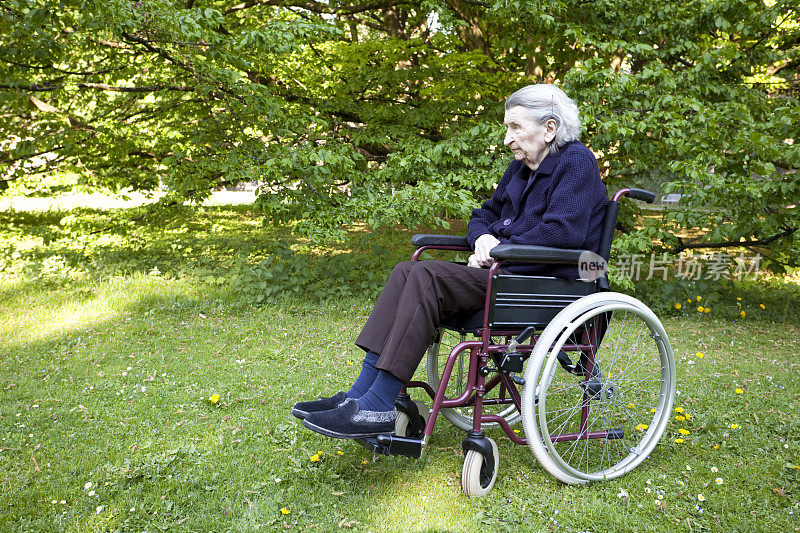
<point x="390" y="111"/>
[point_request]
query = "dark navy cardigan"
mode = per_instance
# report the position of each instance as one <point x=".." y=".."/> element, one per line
<point x="562" y="205"/>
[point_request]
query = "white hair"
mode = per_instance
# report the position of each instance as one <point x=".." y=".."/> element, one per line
<point x="543" y="102"/>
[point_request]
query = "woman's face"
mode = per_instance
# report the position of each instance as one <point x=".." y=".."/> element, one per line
<point x="528" y="140"/>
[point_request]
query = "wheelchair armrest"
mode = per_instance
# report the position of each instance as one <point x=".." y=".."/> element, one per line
<point x="425" y="239"/>
<point x="535" y="254"/>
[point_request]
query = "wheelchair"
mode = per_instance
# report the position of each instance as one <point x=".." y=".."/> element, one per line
<point x="590" y="373"/>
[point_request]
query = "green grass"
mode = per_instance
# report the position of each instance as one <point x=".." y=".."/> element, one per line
<point x="105" y="379"/>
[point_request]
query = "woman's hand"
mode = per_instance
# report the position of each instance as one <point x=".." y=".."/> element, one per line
<point x="483" y="245"/>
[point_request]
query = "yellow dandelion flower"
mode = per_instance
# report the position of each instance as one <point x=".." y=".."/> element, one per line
<point x="734" y="426"/>
<point x="679" y="441"/>
<point x="738" y="298"/>
<point x="689" y="300"/>
<point x="641" y="427"/>
<point x="653" y="410"/>
<point x="678" y="306"/>
<point x="683" y="431"/>
<point x="315" y="458"/>
<point x="762" y="306"/>
<point x="688" y="416"/>
<point x="214" y="398"/>
<point x="679" y="409"/>
<point x="680" y="418"/>
<point x="516" y="431"/>
<point x="284" y="510"/>
<point x="716" y="446"/>
<point x="699" y="355"/>
<point x="339" y="452"/>
<point x="742" y="314"/>
<point x="707" y="310"/>
<point x="699" y="298"/>
<point x="349" y="362"/>
<point x="631" y="406"/>
<point x="363" y="461"/>
<point x="739" y="391"/>
<point x="700" y="309"/>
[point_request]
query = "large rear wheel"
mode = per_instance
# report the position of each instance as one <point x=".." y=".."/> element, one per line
<point x="600" y="412"/>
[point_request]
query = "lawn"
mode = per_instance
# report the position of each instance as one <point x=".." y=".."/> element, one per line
<point x="113" y="343"/>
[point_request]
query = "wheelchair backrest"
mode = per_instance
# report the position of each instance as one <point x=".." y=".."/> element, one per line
<point x="606" y="237"/>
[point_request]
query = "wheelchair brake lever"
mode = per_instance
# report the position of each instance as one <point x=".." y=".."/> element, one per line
<point x="522" y="337"/>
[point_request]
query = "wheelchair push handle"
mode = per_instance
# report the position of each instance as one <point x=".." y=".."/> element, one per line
<point x="636" y="194"/>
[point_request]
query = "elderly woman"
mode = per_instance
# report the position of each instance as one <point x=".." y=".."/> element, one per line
<point x="551" y="195"/>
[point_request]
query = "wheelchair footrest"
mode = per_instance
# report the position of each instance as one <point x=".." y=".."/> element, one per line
<point x="393" y="445"/>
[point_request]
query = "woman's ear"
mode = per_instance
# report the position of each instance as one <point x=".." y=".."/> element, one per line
<point x="550" y="130"/>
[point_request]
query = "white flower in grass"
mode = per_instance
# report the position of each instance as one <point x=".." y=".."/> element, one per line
<point x="88" y="485"/>
<point x="99" y="509"/>
<point x="622" y="493"/>
<point x="714" y="469"/>
<point x="719" y="481"/>
<point x="701" y="498"/>
<point x="91" y="493"/>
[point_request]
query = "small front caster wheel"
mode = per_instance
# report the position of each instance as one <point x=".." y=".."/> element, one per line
<point x="402" y="424"/>
<point x="477" y="478"/>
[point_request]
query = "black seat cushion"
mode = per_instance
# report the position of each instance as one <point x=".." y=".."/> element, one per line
<point x="466" y="323"/>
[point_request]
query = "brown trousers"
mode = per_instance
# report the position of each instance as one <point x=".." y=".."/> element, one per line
<point x="416" y="298"/>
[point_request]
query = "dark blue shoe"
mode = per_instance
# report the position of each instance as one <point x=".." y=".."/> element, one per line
<point x="348" y="421"/>
<point x="303" y="409"/>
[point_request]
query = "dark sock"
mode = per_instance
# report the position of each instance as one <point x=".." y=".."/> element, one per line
<point x="366" y="377"/>
<point x="382" y="393"/>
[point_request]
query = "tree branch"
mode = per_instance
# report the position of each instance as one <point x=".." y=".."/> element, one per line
<point x="150" y="89"/>
<point x="729" y="244"/>
<point x="319" y="8"/>
<point x="4" y="161"/>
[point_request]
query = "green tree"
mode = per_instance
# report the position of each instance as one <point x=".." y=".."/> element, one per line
<point x="390" y="111"/>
